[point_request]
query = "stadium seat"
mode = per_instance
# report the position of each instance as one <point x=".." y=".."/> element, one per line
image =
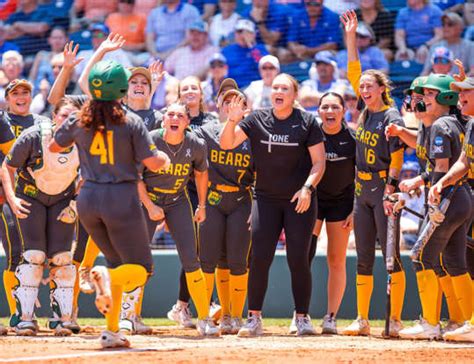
<point x="298" y="70"/>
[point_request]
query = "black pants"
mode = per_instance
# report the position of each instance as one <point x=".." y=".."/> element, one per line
<point x="112" y="215"/>
<point x="225" y="234"/>
<point x="81" y="242"/>
<point x="269" y="217"/>
<point x="11" y="240"/>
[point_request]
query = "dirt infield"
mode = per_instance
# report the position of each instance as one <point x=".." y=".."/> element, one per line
<point x="173" y="345"/>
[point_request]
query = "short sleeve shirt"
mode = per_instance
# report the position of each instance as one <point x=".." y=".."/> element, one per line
<point x="150" y="117"/>
<point x="280" y="150"/>
<point x="446" y="139"/>
<point x="11" y="125"/>
<point x="111" y="156"/>
<point x="468" y="147"/>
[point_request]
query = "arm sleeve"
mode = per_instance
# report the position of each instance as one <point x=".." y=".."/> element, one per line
<point x="5" y="147"/>
<point x="440" y="142"/>
<point x="6" y="133"/>
<point x="20" y="151"/>
<point x="64" y="136"/>
<point x="200" y="163"/>
<point x="354" y="73"/>
<point x="315" y="135"/>
<point x="143" y="144"/>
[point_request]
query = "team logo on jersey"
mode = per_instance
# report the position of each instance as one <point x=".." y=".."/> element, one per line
<point x="188" y="153"/>
<point x="438" y="145"/>
<point x="358" y="189"/>
<point x="214" y="198"/>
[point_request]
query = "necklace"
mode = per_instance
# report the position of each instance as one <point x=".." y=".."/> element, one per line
<point x="171" y="151"/>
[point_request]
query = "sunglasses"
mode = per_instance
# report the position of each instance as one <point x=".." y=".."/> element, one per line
<point x="350" y="98"/>
<point x="448" y="24"/>
<point x="313" y="3"/>
<point x="441" y="61"/>
<point x="217" y="65"/>
<point x="268" y="68"/>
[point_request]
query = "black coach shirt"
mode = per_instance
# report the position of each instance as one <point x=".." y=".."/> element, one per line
<point x="338" y="180"/>
<point x="280" y="150"/>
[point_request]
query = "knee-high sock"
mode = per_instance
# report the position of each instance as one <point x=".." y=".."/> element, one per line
<point x="439" y="302"/>
<point x="126" y="277"/>
<point x="76" y="288"/>
<point x="365" y="286"/>
<point x="428" y="288"/>
<point x="397" y="295"/>
<point x="209" y="284"/>
<point x="463" y="289"/>
<point x="90" y="254"/>
<point x="10" y="282"/>
<point x="472" y="292"/>
<point x="223" y="289"/>
<point x="238" y="293"/>
<point x="455" y="313"/>
<point x="198" y="291"/>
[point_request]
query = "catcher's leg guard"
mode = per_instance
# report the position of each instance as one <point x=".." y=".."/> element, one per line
<point x="63" y="275"/>
<point x="130" y="319"/>
<point x="29" y="276"/>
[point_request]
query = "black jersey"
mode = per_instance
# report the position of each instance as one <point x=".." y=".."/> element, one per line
<point x="186" y="157"/>
<point x="280" y="150"/>
<point x="151" y="118"/>
<point x="228" y="167"/>
<point x="202" y="119"/>
<point x="111" y="156"/>
<point x="338" y="180"/>
<point x="12" y="125"/>
<point x="373" y="151"/>
<point x="422" y="146"/>
<point x="468" y="148"/>
<point x="446" y="137"/>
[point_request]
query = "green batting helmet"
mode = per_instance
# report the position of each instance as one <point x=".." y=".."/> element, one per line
<point x="441" y="83"/>
<point x="416" y="82"/>
<point x="108" y="81"/>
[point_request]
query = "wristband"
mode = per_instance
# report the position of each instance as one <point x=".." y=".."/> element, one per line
<point x="201" y="207"/>
<point x="392" y="181"/>
<point x="310" y="187"/>
<point x="437" y="176"/>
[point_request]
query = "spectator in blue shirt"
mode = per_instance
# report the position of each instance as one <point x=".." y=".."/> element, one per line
<point x="417" y="27"/>
<point x="449" y="5"/>
<point x="27" y="27"/>
<point x="243" y="56"/>
<point x="167" y="25"/>
<point x="207" y="8"/>
<point x="4" y="45"/>
<point x="272" y="21"/>
<point x="371" y="57"/>
<point x="313" y="29"/>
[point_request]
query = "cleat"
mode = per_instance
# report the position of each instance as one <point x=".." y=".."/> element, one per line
<point x="394" y="329"/>
<point x="207" y="327"/>
<point x="252" y="328"/>
<point x="293" y="329"/>
<point x="109" y="339"/>
<point x="464" y="333"/>
<point x="304" y="326"/>
<point x="359" y="327"/>
<point x="422" y="330"/>
<point x="451" y="326"/>
<point x="226" y="325"/>
<point x="181" y="314"/>
<point x="135" y="326"/>
<point x="215" y="311"/>
<point x="329" y="326"/>
<point x="101" y="280"/>
<point x="73" y="325"/>
<point x="62" y="329"/>
<point x="85" y="281"/>
<point x="26" y="328"/>
<point x="236" y="324"/>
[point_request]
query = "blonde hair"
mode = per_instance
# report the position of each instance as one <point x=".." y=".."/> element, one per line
<point x="198" y="82"/>
<point x="382" y="80"/>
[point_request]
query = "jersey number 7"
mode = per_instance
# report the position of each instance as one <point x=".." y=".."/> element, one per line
<point x="103" y="148"/>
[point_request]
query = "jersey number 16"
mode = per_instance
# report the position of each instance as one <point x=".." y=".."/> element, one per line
<point x="103" y="148"/>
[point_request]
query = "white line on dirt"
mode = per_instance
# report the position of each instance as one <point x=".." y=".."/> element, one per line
<point x="85" y="354"/>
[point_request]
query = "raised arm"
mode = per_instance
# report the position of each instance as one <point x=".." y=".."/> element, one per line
<point x="232" y="135"/>
<point x="354" y="69"/>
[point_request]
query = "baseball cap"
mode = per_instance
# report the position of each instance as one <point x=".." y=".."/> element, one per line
<point x="217" y="57"/>
<point x="140" y="71"/>
<point x="245" y="24"/>
<point x="233" y="92"/>
<point x="17" y="83"/>
<point x="269" y="59"/>
<point x="199" y="25"/>
<point x="227" y="84"/>
<point x="453" y="17"/>
<point x="365" y="30"/>
<point x="324" y="57"/>
<point x="467" y="84"/>
<point x="99" y="27"/>
<point x="108" y="81"/>
<point x="442" y="53"/>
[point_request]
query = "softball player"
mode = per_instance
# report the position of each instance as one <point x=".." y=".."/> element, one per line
<point x="108" y="203"/>
<point x="420" y="141"/>
<point x="335" y="200"/>
<point x="40" y="198"/>
<point x="465" y="164"/>
<point x="378" y="163"/>
<point x="190" y="93"/>
<point x="165" y="194"/>
<point x="225" y="236"/>
<point x="13" y="121"/>
<point x="444" y="147"/>
<point x="288" y="150"/>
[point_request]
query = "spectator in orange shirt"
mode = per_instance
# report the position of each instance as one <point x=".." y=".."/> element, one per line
<point x="93" y="11"/>
<point x="129" y="25"/>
